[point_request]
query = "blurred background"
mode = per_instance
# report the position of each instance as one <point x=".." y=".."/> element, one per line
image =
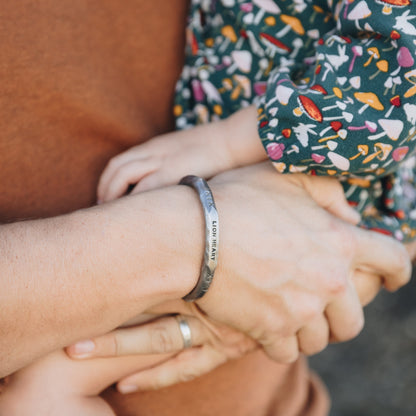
<point x="375" y="375"/>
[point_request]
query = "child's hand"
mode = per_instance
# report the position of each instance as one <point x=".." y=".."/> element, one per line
<point x="203" y="151"/>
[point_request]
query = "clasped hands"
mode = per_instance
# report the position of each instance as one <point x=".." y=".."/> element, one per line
<point x="294" y="272"/>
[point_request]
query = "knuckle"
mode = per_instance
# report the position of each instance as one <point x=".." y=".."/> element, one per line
<point x="337" y="284"/>
<point x="161" y="341"/>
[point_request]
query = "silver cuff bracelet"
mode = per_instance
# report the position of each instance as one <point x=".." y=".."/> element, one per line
<point x="211" y="236"/>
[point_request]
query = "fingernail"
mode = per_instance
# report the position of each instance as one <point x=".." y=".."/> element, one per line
<point x="127" y="388"/>
<point x="99" y="202"/>
<point x="83" y="347"/>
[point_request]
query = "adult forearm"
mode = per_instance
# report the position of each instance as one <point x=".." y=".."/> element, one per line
<point x="82" y="274"/>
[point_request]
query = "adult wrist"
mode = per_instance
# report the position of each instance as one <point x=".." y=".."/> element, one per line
<point x="210" y="260"/>
<point x="162" y="243"/>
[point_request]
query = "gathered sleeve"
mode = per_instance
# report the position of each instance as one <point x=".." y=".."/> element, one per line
<point x="353" y="111"/>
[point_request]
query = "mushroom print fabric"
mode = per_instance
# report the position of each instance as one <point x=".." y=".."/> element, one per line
<point x="335" y="87"/>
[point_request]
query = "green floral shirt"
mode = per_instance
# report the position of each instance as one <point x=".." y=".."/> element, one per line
<point x="335" y="87"/>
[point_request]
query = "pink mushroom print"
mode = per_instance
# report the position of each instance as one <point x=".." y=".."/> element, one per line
<point x="268" y="6"/>
<point x="369" y="125"/>
<point x="357" y="51"/>
<point x="246" y="7"/>
<point x="400" y="153"/>
<point x="275" y="150"/>
<point x="404" y="59"/>
<point x="260" y="88"/>
<point x="197" y="90"/>
<point x="317" y="158"/>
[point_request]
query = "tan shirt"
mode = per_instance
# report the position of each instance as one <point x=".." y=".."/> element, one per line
<point x="80" y="81"/>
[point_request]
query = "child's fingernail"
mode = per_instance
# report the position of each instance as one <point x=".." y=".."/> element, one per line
<point x="127" y="388"/>
<point x="99" y="202"/>
<point x="83" y="347"/>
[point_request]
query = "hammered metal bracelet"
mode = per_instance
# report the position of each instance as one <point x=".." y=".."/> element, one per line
<point x="211" y="236"/>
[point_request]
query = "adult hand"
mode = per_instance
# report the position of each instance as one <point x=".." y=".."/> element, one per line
<point x="286" y="265"/>
<point x="212" y="345"/>
<point x="285" y="303"/>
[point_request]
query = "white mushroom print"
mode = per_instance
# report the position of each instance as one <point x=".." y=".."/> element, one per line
<point x="334" y="83"/>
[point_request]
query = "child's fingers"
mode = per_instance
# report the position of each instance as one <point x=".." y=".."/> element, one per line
<point x="128" y="174"/>
<point x="162" y="336"/>
<point x="186" y="366"/>
<point x="155" y="180"/>
<point x="328" y="193"/>
<point x="116" y="163"/>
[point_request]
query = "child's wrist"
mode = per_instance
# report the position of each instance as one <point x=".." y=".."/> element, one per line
<point x="242" y="140"/>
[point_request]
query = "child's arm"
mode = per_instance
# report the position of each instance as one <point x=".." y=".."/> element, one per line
<point x="205" y="150"/>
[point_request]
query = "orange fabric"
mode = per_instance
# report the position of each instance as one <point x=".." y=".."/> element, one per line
<point x="80" y="82"/>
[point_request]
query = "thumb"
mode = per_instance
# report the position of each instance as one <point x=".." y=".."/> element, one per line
<point x="328" y="193"/>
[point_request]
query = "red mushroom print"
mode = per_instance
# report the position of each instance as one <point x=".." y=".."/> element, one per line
<point x="319" y="88"/>
<point x="309" y="108"/>
<point x="395" y="102"/>
<point x="389" y="4"/>
<point x="394" y="35"/>
<point x="274" y="45"/>
<point x="334" y="125"/>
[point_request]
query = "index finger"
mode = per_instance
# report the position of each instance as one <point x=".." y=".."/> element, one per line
<point x="383" y="255"/>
